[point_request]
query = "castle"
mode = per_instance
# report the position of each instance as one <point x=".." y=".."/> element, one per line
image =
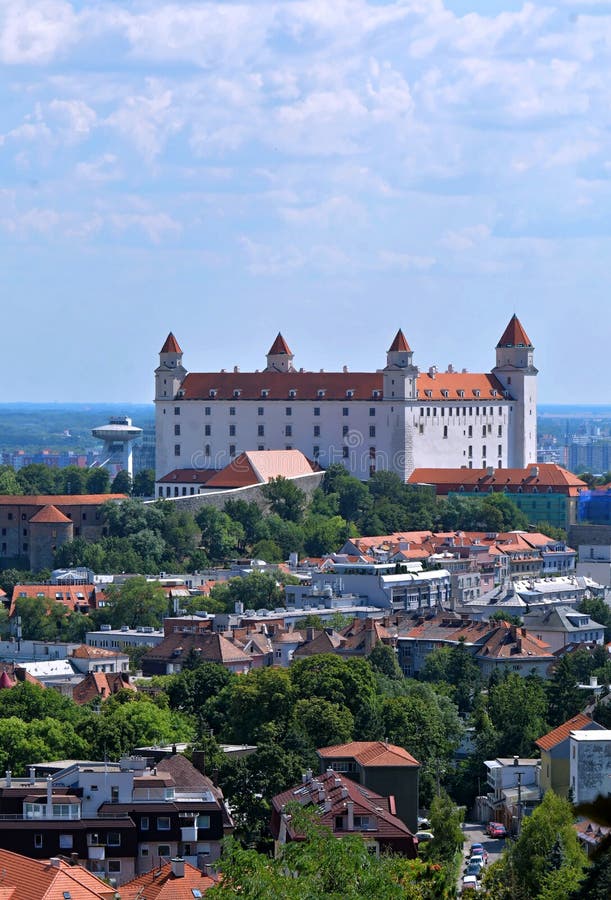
<point x="396" y="418"/>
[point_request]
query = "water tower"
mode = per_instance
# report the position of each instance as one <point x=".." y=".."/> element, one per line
<point x="118" y="436"/>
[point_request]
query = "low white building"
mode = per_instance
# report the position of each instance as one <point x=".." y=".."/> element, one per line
<point x="515" y="789"/>
<point x="590" y="764"/>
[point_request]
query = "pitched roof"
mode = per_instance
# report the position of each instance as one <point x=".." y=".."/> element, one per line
<point x="399" y="344"/>
<point x="100" y="684"/>
<point x="534" y="478"/>
<point x="337" y="790"/>
<point x="6" y="681"/>
<point x="34" y="879"/>
<point x="84" y="651"/>
<point x="512" y="642"/>
<point x="563" y="732"/>
<point x="185" y="774"/>
<point x="259" y="466"/>
<point x="514" y="335"/>
<point x="171" y="345"/>
<point x="212" y="647"/>
<point x="50" y="515"/>
<point x="162" y="884"/>
<point x="370" y="753"/>
<point x="58" y="499"/>
<point x="279" y="347"/>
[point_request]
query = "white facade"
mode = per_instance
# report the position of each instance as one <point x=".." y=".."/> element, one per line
<point x="395" y="418"/>
<point x="590" y="765"/>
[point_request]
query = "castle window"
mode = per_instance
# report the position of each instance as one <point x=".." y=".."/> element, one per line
<point x="483" y="431"/>
<point x="345" y="452"/>
<point x="470" y="451"/>
<point x="177" y="430"/>
<point x="500" y="450"/>
<point x="288" y="430"/>
<point x="345" y="411"/>
<point x="232" y="410"/>
<point x="261" y="430"/>
<point x="212" y="392"/>
<point x="470" y="430"/>
<point x="376" y="394"/>
<point x="176" y="449"/>
<point x="421" y="411"/>
<point x="493" y="392"/>
<point x="445" y="431"/>
<point x="461" y="393"/>
<point x="207" y="450"/>
<point x="231" y="449"/>
<point x="344" y="430"/>
<point x="232" y="431"/>
<point x="428" y="393"/>
<point x="443" y="412"/>
<point x="320" y="393"/>
<point x="207" y="410"/>
<point x="372" y="431"/>
<point x="500" y="431"/>
<point x="350" y="394"/>
<point x="317" y="410"/>
<point x="509" y="380"/>
<point x="289" y="410"/>
<point x="372" y="410"/>
<point x="317" y="431"/>
<point x="260" y="411"/>
<point x="177" y="410"/>
<point x="260" y="447"/>
<point x="476" y="392"/>
<point x="445" y="393"/>
<point x="315" y="452"/>
<point x="265" y="392"/>
<point x="428" y="411"/>
<point x="236" y="393"/>
<point x="484" y="451"/>
<point x="207" y="430"/>
<point x="292" y="393"/>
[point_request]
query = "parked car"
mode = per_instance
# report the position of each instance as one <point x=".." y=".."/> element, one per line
<point x="474" y="869"/>
<point x="496" y="830"/>
<point x="424" y="835"/>
<point x="470" y="884"/>
<point x="479" y="850"/>
<point x="477" y="858"/>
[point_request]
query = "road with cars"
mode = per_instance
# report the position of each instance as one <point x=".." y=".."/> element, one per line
<point x="476" y="834"/>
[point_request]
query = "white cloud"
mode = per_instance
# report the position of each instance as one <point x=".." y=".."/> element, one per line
<point x="156" y="226"/>
<point x="35" y="31"/>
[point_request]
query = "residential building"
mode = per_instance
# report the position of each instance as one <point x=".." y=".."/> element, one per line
<point x="594" y="551"/>
<point x="169" y="656"/>
<point x="381" y="767"/>
<point x="346" y="808"/>
<point x="511" y="649"/>
<point x="515" y="790"/>
<point x="563" y="625"/>
<point x="545" y="492"/>
<point x="121" y="818"/>
<point x="396" y="418"/>
<point x="555" y="753"/>
<point x="590" y="764"/>
<point x="109" y="638"/>
<point x="33" y="527"/>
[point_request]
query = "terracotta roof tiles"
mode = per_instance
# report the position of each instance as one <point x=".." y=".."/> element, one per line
<point x="58" y="499"/>
<point x="514" y="335"/>
<point x="371" y="753"/>
<point x="279" y="347"/>
<point x="171" y="345"/>
<point x="162" y="884"/>
<point x="562" y="732"/>
<point x="399" y="344"/>
<point x="50" y="515"/>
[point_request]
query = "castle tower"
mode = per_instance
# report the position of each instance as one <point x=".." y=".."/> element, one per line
<point x="516" y="371"/>
<point x="400" y="374"/>
<point x="279" y="357"/>
<point x="170" y="372"/>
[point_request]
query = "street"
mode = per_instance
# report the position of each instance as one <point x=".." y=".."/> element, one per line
<point x="475" y="834"/>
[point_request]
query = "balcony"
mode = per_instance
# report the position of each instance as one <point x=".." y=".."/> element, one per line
<point x="188" y="834"/>
<point x="96" y="852"/>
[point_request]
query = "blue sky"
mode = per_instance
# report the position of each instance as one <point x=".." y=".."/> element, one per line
<point x="331" y="168"/>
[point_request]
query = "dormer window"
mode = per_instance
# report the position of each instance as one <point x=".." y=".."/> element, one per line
<point x="212" y="392"/>
<point x="292" y="393"/>
<point x="265" y="392"/>
<point x="461" y="393"/>
<point x="349" y="394"/>
<point x="494" y="392"/>
<point x="237" y="393"/>
<point x="376" y="395"/>
<point x="428" y="393"/>
<point x="181" y="393"/>
<point x="321" y="392"/>
<point x="445" y="393"/>
<point x="476" y="392"/>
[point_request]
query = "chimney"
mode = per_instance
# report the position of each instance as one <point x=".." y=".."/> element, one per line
<point x="178" y="867"/>
<point x="450" y="368"/>
<point x="350" y="812"/>
<point x="490" y="471"/>
<point x="236" y="369"/>
<point x="49" y="793"/>
<point x="345" y="370"/>
<point x="55" y="862"/>
<point x="432" y="371"/>
<point x="8" y="778"/>
<point x="534" y="471"/>
<point x="309" y="634"/>
<point x="593" y="684"/>
<point x="32" y="775"/>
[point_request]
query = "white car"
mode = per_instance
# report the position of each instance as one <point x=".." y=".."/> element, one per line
<point x="470" y="883"/>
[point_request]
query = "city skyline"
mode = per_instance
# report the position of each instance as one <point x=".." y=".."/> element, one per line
<point x="333" y="171"/>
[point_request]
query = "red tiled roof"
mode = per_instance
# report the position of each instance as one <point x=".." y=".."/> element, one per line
<point x="50" y="515"/>
<point x="399" y="344"/>
<point x="193" y="476"/>
<point x="171" y="345"/>
<point x="34" y="879"/>
<point x="370" y="753"/>
<point x="460" y="386"/>
<point x="279" y="347"/>
<point x="511" y="642"/>
<point x="562" y="732"/>
<point x="514" y="335"/>
<point x="58" y="499"/>
<point x="258" y="466"/>
<point x="68" y="594"/>
<point x="6" y="681"/>
<point x="100" y="684"/>
<point x="538" y="475"/>
<point x="213" y="648"/>
<point x="162" y="884"/>
<point x="87" y="652"/>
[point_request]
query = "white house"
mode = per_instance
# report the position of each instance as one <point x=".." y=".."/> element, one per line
<point x="590" y="764"/>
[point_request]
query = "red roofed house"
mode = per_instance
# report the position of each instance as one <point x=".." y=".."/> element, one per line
<point x="545" y="492"/>
<point x="346" y="808"/>
<point x="379" y="766"/>
<point x="395" y="418"/>
<point x="555" y="748"/>
<point x="169" y="656"/>
<point x="33" y="527"/>
<point x="53" y="879"/>
<point x="176" y="880"/>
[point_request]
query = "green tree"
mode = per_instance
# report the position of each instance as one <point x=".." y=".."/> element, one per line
<point x="547" y="844"/>
<point x="383" y="659"/>
<point x="447" y="834"/>
<point x="127" y="722"/>
<point x="257" y="590"/>
<point x="221" y="536"/>
<point x="136" y="602"/>
<point x="265" y="696"/>
<point x="71" y="480"/>
<point x="267" y="550"/>
<point x="250" y="517"/>
<point x="37" y="479"/>
<point x="284" y="498"/>
<point x="349" y="683"/>
<point x="98" y="481"/>
<point x="564" y="696"/>
<point x="599" y="611"/>
<point x="324" y="535"/>
<point x="121" y="483"/>
<point x="144" y="483"/>
<point x="323" y="723"/>
<point x="189" y="690"/>
<point x="8" y="481"/>
<point x="518" y="712"/>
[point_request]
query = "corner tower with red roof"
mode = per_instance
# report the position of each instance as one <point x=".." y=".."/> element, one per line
<point x="515" y="369"/>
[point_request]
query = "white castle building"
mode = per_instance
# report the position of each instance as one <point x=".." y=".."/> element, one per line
<point x="396" y="418"/>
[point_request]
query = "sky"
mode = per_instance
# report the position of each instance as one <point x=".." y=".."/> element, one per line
<point x="333" y="169"/>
